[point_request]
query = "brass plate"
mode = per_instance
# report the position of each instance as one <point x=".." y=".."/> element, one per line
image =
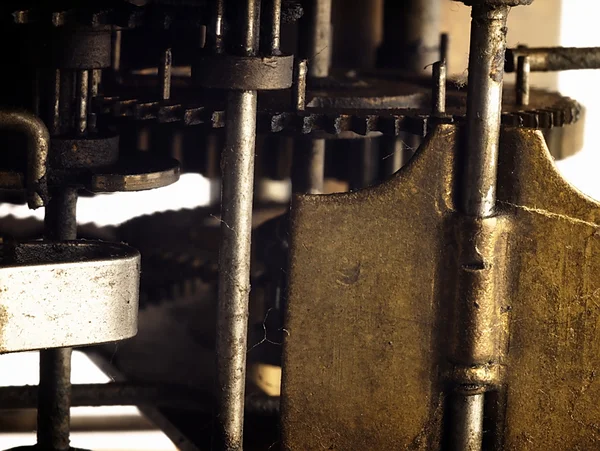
<point x="372" y="279"/>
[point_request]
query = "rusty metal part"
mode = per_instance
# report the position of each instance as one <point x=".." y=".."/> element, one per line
<point x="340" y="289"/>
<point x="551" y="59"/>
<point x="220" y="71"/>
<point x="38" y="140"/>
<point x="546" y="110"/>
<point x="84" y="153"/>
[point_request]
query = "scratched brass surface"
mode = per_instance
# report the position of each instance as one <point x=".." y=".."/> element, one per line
<point x="372" y="279"/>
<point x="361" y="354"/>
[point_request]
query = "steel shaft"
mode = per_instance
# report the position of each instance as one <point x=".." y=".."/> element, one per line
<point x="54" y="398"/>
<point x="237" y="167"/>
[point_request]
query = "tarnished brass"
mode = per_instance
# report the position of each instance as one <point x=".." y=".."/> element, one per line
<point x="375" y="310"/>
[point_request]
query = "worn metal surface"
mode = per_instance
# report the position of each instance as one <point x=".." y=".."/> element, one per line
<point x="48" y="287"/>
<point x="367" y="336"/>
<point x="38" y="140"/>
<point x="244" y="72"/>
<point x="84" y="153"/>
<point x="551" y="59"/>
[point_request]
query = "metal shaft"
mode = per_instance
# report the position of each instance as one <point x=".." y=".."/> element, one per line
<point x="467" y="433"/>
<point x="411" y="34"/>
<point x="439" y="88"/>
<point x="484" y="106"/>
<point x="237" y="167"/>
<point x="164" y="74"/>
<point x="309" y="166"/>
<point x="523" y="72"/>
<point x="54" y="396"/>
<point x="81" y="96"/>
<point x="315" y="37"/>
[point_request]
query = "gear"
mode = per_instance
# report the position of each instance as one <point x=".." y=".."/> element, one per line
<point x="547" y="110"/>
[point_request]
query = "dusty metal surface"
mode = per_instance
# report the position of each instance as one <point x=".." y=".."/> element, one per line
<point x="49" y="286"/>
<point x="367" y="334"/>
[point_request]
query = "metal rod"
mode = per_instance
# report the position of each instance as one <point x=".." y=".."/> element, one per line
<point x="309" y="166"/>
<point x="553" y="59"/>
<point x="54" y="401"/>
<point x="439" y="88"/>
<point x="54" y="396"/>
<point x="112" y="394"/>
<point x="411" y="37"/>
<point x="467" y="433"/>
<point x="315" y="38"/>
<point x="55" y="103"/>
<point x="364" y="160"/>
<point x="444" y="47"/>
<point x="116" y="50"/>
<point x="299" y="87"/>
<point x="484" y="106"/>
<point x="81" y="96"/>
<point x="218" y="26"/>
<point x="393" y="151"/>
<point x="523" y="72"/>
<point x="237" y="166"/>
<point x="275" y="29"/>
<point x="95" y="76"/>
<point x="164" y="74"/>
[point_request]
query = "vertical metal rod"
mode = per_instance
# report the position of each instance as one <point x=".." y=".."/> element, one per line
<point x="117" y="38"/>
<point x="299" y="88"/>
<point x="95" y="76"/>
<point x="54" y="396"/>
<point x="237" y="166"/>
<point x="364" y="160"/>
<point x="275" y="31"/>
<point x="411" y="34"/>
<point x="164" y="74"/>
<point x="55" y="103"/>
<point x="484" y="106"/>
<point x="316" y="37"/>
<point x="523" y="72"/>
<point x="81" y="96"/>
<point x="468" y="422"/>
<point x="444" y="47"/>
<point x="439" y="88"/>
<point x="218" y="26"/>
<point x="393" y="151"/>
<point x="309" y="166"/>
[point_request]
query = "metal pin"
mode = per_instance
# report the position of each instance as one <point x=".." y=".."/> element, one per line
<point x="299" y="89"/>
<point x="81" y="96"/>
<point x="275" y="31"/>
<point x="94" y="88"/>
<point x="116" y="50"/>
<point x="54" y="396"/>
<point x="218" y="25"/>
<point x="484" y="106"/>
<point x="439" y="88"/>
<point x="444" y="47"/>
<point x="55" y="103"/>
<point x="523" y="72"/>
<point x="164" y="74"/>
<point x="467" y="433"/>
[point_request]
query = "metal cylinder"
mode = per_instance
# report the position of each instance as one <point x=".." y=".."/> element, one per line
<point x="315" y="37"/>
<point x="237" y="165"/>
<point x="484" y="106"/>
<point x="439" y="88"/>
<point x="54" y="399"/>
<point x="54" y="396"/>
<point x="523" y="73"/>
<point x="553" y="59"/>
<point x="467" y="431"/>
<point x="411" y="34"/>
<point x="309" y="166"/>
<point x="81" y="97"/>
<point x="164" y="74"/>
